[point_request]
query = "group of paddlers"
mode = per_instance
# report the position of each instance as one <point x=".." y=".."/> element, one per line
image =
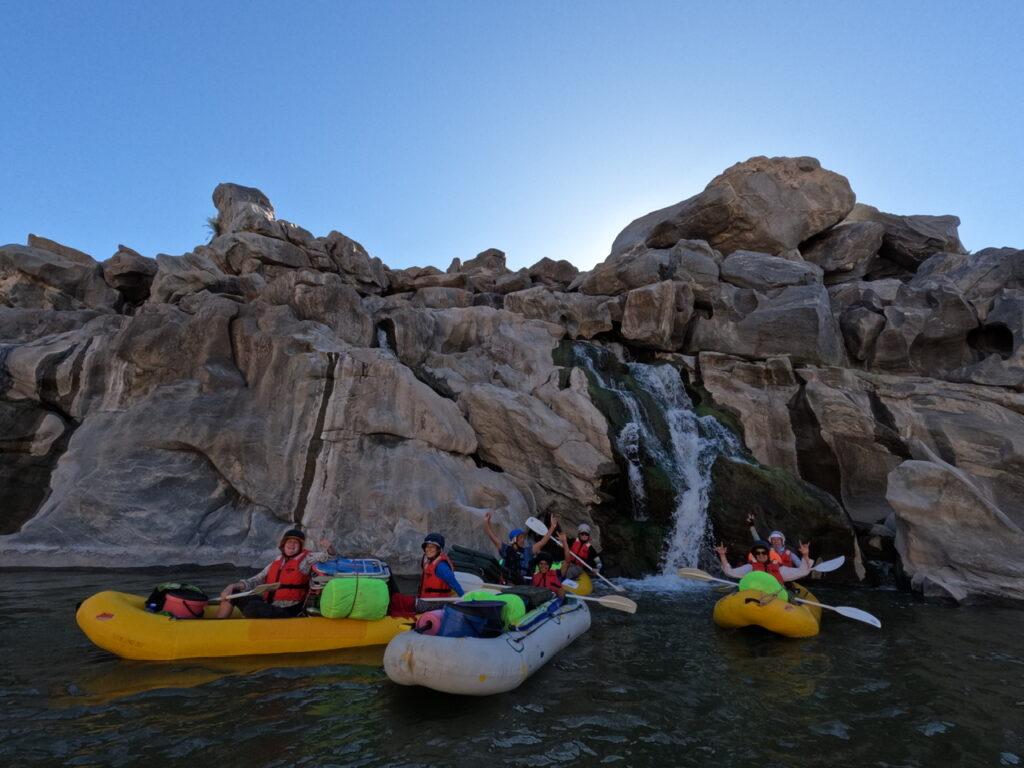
<point x="522" y="563"/>
<point x="772" y="556"/>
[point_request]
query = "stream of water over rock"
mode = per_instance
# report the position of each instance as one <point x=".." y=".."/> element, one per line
<point x="938" y="685"/>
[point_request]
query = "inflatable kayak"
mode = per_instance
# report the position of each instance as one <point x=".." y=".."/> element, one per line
<point x="476" y="666"/>
<point x="584" y="585"/>
<point x="751" y="607"/>
<point x="118" y="622"/>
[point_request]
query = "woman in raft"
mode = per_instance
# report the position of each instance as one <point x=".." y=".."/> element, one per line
<point x="548" y="577"/>
<point x="761" y="552"/>
<point x="292" y="569"/>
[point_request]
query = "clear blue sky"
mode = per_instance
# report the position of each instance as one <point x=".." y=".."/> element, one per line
<point x="433" y="130"/>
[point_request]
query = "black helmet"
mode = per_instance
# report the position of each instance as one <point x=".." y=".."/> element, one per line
<point x="760" y="545"/>
<point x="292" y="533"/>
<point x="433" y="538"/>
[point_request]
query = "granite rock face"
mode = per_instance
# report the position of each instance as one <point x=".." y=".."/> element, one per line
<point x="184" y="408"/>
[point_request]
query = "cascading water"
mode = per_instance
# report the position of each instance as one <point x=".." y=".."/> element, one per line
<point x="685" y="450"/>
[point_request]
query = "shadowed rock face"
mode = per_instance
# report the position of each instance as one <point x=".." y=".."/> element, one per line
<point x="185" y="408"/>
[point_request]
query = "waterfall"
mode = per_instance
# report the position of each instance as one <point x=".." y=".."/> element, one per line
<point x="382" y="340"/>
<point x="663" y="430"/>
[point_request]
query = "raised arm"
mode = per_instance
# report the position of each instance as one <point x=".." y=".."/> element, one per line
<point x="727" y="569"/>
<point x="753" y="527"/>
<point x="792" y="574"/>
<point x="538" y="546"/>
<point x="566" y="557"/>
<point x="490" y="531"/>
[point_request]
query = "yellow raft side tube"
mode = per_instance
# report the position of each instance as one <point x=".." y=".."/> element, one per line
<point x="753" y="607"/>
<point x="584" y="585"/>
<point x="118" y="622"/>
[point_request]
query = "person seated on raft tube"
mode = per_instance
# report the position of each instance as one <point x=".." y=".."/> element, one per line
<point x="292" y="569"/>
<point x="516" y="558"/>
<point x="546" y="576"/>
<point x="438" y="577"/>
<point x="586" y="551"/>
<point x="763" y="562"/>
<point x="778" y="552"/>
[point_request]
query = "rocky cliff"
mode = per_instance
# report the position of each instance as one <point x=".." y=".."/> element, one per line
<point x="184" y="408"/>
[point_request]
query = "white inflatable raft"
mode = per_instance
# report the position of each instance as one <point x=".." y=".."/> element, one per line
<point x="480" y="667"/>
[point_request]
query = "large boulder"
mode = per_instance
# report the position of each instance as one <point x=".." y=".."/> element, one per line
<point x="758" y="395"/>
<point x="847" y="251"/>
<point x="764" y="204"/>
<point x="34" y="278"/>
<point x="581" y="316"/>
<point x="910" y="240"/>
<point x="763" y="272"/>
<point x="953" y="541"/>
<point x="658" y="315"/>
<point x="130" y="274"/>
<point x="795" y="321"/>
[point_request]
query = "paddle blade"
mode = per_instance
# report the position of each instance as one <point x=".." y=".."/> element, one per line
<point x="858" y="615"/>
<point x="468" y="581"/>
<point x="536" y="526"/>
<point x="694" y="573"/>
<point x="570" y="584"/>
<point x="618" y="603"/>
<point x="829" y="565"/>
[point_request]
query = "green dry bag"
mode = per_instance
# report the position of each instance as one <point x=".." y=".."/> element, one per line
<point x="513" y="610"/>
<point x="764" y="582"/>
<point x="354" y="597"/>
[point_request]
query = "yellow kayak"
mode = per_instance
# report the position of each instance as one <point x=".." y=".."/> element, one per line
<point x="118" y="622"/>
<point x="584" y="585"/>
<point x="753" y="607"/>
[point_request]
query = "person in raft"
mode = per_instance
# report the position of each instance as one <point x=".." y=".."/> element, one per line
<point x="778" y="552"/>
<point x="438" y="577"/>
<point x="760" y="551"/>
<point x="516" y="557"/>
<point x="292" y="569"/>
<point x="582" y="548"/>
<point x="548" y="577"/>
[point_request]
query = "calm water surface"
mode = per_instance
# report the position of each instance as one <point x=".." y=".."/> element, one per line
<point x="939" y="685"/>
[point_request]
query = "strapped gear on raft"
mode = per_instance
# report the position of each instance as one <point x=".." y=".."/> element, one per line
<point x="433" y="538"/>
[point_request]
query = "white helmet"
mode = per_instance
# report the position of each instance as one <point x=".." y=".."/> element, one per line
<point x="582" y="528"/>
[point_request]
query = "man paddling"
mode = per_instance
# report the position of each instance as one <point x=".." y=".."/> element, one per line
<point x="292" y="569"/>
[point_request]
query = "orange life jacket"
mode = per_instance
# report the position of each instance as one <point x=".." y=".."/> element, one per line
<point x="784" y="558"/>
<point x="771" y="567"/>
<point x="549" y="580"/>
<point x="432" y="585"/>
<point x="294" y="583"/>
<point x="581" y="550"/>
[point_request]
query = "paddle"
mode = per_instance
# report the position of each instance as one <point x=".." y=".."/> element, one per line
<point x="829" y="565"/>
<point x="843" y="610"/>
<point x="255" y="591"/>
<point x="540" y="529"/>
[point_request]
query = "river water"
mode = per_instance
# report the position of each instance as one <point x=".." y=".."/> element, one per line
<point x="938" y="685"/>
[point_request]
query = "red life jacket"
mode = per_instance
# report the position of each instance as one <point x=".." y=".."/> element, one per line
<point x="581" y="550"/>
<point x="294" y="583"/>
<point x="432" y="585"/>
<point x="772" y="568"/>
<point x="781" y="558"/>
<point x="549" y="580"/>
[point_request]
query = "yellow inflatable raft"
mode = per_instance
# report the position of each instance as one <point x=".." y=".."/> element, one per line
<point x="584" y="585"/>
<point x="117" y="622"/>
<point x="753" y="607"/>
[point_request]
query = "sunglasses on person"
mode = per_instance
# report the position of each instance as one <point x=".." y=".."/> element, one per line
<point x="760" y="552"/>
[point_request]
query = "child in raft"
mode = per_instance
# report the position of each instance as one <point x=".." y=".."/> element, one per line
<point x="778" y="552"/>
<point x="516" y="556"/>
<point x="760" y="551"/>
<point x="292" y="570"/>
<point x="546" y="576"/>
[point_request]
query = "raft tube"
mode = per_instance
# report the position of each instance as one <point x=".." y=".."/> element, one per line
<point x="118" y="622"/>
<point x="475" y="666"/>
<point x="751" y="607"/>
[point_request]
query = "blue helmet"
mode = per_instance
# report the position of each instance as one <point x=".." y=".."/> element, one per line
<point x="515" y="532"/>
<point x="433" y="538"/>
